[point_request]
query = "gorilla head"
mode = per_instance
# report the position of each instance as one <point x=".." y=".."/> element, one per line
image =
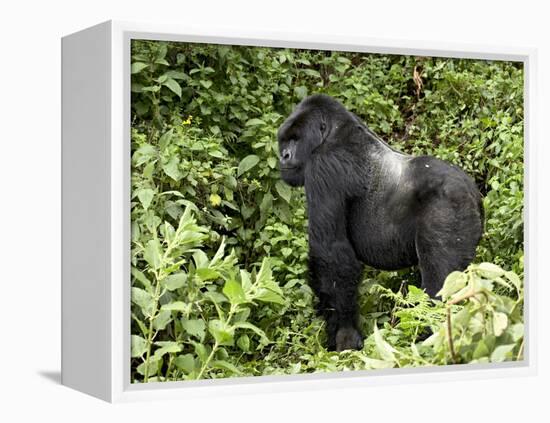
<point x="304" y="131"/>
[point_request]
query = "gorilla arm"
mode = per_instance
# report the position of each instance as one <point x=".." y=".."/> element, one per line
<point x="334" y="270"/>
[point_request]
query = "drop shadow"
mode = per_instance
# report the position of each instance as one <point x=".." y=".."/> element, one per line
<point x="51" y="375"/>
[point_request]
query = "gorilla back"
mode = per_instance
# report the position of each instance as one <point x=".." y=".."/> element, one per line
<point x="369" y="204"/>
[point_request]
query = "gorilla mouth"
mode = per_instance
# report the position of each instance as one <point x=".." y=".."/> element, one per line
<point x="290" y="166"/>
<point x="292" y="175"/>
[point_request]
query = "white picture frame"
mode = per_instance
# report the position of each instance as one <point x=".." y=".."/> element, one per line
<point x="96" y="226"/>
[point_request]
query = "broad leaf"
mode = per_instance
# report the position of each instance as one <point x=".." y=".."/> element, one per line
<point x="194" y="327"/>
<point x="185" y="362"/>
<point x="153" y="254"/>
<point x="139" y="346"/>
<point x="247" y="163"/>
<point x="284" y="190"/>
<point x="175" y="306"/>
<point x="138" y="67"/>
<point x="386" y="351"/>
<point x="222" y="333"/>
<point x="175" y="281"/>
<point x="145" y="196"/>
<point x="453" y="283"/>
<point x="233" y="290"/>
<point x="173" y="86"/>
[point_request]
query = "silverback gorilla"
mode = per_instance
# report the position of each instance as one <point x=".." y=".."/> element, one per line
<point x="369" y="204"/>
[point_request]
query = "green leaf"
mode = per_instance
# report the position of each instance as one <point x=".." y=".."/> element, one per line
<point x="386" y="351"/>
<point x="453" y="283"/>
<point x="175" y="74"/>
<point x="138" y="67"/>
<point x="233" y="290"/>
<point x="162" y="319"/>
<point x="201" y="259"/>
<point x="490" y="270"/>
<point x="175" y="281"/>
<point x="139" y="346"/>
<point x="268" y="291"/>
<point x="225" y="365"/>
<point x="153" y="254"/>
<point x="222" y="333"/>
<point x="216" y="297"/>
<point x="300" y="92"/>
<point x="244" y="342"/>
<point x="264" y="275"/>
<point x="173" y="86"/>
<point x="185" y="362"/>
<point x="139" y="276"/>
<point x="247" y="163"/>
<point x="153" y="366"/>
<point x="206" y="84"/>
<point x="517" y="331"/>
<point x="267" y="203"/>
<point x="502" y="353"/>
<point x="254" y="122"/>
<point x="512" y="277"/>
<point x="268" y="296"/>
<point x="175" y="306"/>
<point x="144" y="300"/>
<point x="500" y="322"/>
<point x="167" y="347"/>
<point x="272" y="162"/>
<point x="255" y="329"/>
<point x="207" y="274"/>
<point x="145" y="197"/>
<point x="201" y="351"/>
<point x="194" y="327"/>
<point x="480" y="351"/>
<point x="165" y="139"/>
<point x="172" y="168"/>
<point x="373" y="363"/>
<point x="245" y="280"/>
<point x="219" y="253"/>
<point x="284" y="190"/>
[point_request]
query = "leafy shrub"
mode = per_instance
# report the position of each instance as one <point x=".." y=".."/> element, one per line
<point x="219" y="244"/>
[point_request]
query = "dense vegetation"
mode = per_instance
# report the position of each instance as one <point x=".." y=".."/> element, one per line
<point x="219" y="243"/>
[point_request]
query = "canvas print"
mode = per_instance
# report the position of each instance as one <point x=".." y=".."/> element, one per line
<point x="297" y="211"/>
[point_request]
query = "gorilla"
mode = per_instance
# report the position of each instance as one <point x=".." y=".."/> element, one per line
<point x="370" y="204"/>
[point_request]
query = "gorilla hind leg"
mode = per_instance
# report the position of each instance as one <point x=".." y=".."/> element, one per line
<point x="446" y="240"/>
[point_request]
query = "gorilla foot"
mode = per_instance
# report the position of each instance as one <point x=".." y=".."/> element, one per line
<point x="348" y="339"/>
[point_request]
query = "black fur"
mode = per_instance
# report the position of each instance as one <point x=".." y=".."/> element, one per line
<point x="369" y="204"/>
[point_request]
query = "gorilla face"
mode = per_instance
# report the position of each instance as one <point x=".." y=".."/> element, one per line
<point x="298" y="137"/>
<point x="292" y="169"/>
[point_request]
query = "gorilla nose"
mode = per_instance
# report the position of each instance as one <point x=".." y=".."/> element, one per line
<point x="285" y="157"/>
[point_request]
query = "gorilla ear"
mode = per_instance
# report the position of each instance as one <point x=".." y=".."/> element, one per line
<point x="323" y="126"/>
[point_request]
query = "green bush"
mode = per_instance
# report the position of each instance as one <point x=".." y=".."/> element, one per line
<point x="219" y="244"/>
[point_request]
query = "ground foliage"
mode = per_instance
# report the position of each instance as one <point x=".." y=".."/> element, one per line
<point x="219" y="244"/>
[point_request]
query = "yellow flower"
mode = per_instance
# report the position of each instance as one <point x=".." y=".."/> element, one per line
<point x="187" y="121"/>
<point x="215" y="200"/>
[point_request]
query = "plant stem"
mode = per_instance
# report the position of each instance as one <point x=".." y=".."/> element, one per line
<point x="450" y="336"/>
<point x="207" y="362"/>
<point x="150" y="331"/>
<point x="232" y="311"/>
<point x="520" y="351"/>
